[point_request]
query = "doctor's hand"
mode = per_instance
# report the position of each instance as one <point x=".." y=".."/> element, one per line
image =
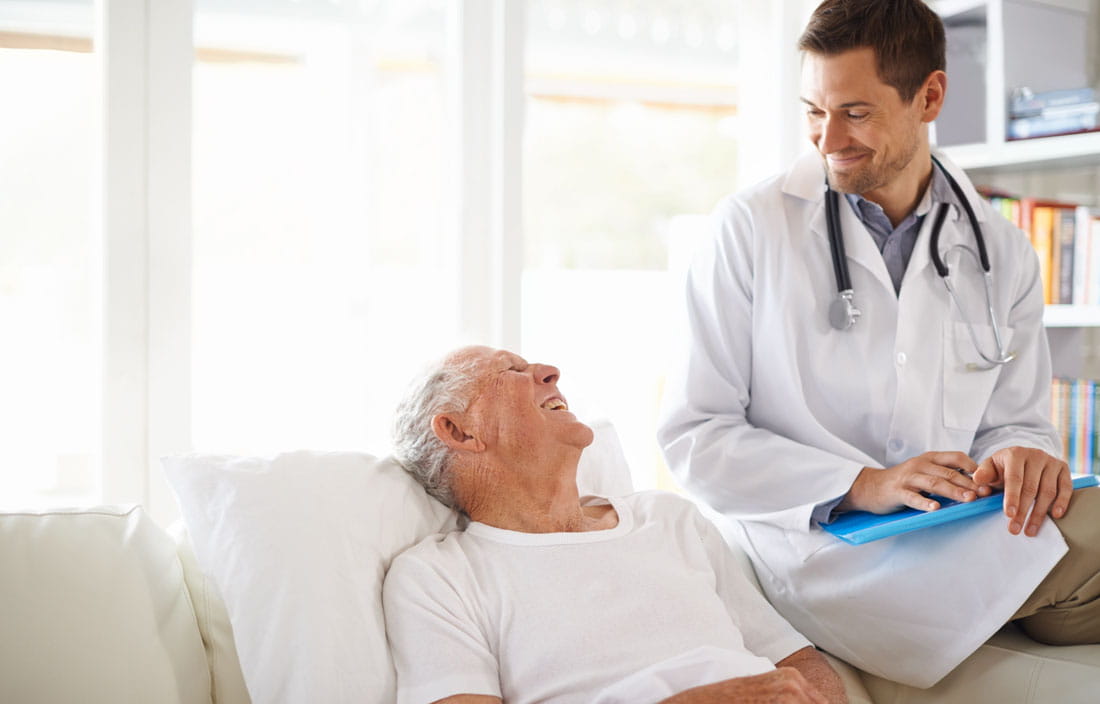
<point x="887" y="490"/>
<point x="1033" y="481"/>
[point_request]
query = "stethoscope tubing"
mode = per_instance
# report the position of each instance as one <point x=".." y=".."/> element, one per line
<point x="836" y="238"/>
<point x="843" y="317"/>
<point x="934" y="240"/>
<point x="836" y="242"/>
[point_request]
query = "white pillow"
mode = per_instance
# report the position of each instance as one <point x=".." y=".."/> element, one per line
<point x="298" y="546"/>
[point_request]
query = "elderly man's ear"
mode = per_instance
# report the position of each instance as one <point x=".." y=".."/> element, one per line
<point x="450" y="431"/>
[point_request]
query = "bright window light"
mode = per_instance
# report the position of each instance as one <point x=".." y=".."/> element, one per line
<point x="319" y="285"/>
<point x="627" y="141"/>
<point x="49" y="259"/>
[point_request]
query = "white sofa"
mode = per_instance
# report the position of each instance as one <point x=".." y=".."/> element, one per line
<point x="102" y="605"/>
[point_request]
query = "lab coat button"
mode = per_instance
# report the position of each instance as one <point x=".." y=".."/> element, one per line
<point x="896" y="445"/>
<point x="901" y="359"/>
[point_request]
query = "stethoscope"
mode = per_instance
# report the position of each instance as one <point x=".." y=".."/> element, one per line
<point x="843" y="313"/>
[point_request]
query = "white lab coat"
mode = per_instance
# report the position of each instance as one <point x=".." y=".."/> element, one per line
<point x="769" y="411"/>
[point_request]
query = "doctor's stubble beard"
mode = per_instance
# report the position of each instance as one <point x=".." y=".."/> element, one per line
<point x="869" y="177"/>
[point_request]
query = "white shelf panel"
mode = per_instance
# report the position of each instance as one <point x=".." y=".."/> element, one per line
<point x="1066" y="150"/>
<point x="1066" y="316"/>
<point x="951" y="9"/>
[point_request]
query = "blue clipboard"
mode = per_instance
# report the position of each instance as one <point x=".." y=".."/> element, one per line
<point x="859" y="527"/>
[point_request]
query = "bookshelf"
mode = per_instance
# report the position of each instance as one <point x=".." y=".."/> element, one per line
<point x="1070" y="316"/>
<point x="995" y="46"/>
<point x="1065" y="151"/>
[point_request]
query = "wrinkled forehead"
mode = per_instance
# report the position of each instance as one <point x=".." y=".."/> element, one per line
<point x="477" y="360"/>
<point x="471" y="369"/>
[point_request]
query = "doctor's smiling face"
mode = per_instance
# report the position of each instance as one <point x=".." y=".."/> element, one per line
<point x="873" y="142"/>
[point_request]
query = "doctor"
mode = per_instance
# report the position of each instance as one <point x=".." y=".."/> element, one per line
<point x="812" y="385"/>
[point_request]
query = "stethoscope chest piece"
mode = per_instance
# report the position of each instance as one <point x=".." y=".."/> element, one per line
<point x="842" y="312"/>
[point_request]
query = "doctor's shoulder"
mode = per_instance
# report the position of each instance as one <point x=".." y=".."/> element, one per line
<point x="763" y="196"/>
<point x="751" y="212"/>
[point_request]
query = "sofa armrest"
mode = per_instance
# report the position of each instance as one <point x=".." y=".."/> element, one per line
<point x="94" y="609"/>
<point x="226" y="679"/>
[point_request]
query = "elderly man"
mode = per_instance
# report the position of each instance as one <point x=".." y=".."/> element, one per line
<point x="552" y="597"/>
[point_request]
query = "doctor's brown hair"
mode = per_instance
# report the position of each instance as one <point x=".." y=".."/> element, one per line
<point x="906" y="35"/>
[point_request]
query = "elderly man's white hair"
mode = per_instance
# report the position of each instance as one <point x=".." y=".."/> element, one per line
<point x="444" y="387"/>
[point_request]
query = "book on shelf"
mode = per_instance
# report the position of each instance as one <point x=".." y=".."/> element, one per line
<point x="1027" y="103"/>
<point x="1082" y="256"/>
<point x="1092" y="269"/>
<point x="1066" y="226"/>
<point x="1073" y="405"/>
<point x="1052" y="113"/>
<point x="1066" y="238"/>
<point x="1053" y="125"/>
<point x="1039" y="221"/>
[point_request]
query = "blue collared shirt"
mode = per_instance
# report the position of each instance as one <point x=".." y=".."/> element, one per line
<point x="896" y="243"/>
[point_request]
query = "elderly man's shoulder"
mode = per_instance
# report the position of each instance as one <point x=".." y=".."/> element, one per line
<point x="440" y="553"/>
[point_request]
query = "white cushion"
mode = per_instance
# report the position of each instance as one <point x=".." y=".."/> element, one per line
<point x="1009" y="668"/>
<point x="226" y="679"/>
<point x="94" y="609"/>
<point x="298" y="546"/>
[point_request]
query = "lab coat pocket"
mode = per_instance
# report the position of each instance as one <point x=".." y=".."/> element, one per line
<point x="967" y="381"/>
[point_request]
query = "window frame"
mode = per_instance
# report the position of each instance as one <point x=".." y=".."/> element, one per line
<point x="146" y="51"/>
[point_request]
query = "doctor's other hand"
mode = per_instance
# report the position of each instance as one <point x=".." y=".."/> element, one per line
<point x="783" y="685"/>
<point x="1033" y="482"/>
<point x="887" y="490"/>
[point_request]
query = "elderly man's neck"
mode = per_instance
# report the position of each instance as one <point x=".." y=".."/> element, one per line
<point x="537" y="508"/>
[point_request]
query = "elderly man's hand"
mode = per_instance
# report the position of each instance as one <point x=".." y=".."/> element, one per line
<point x="1033" y="482"/>
<point x="784" y="685"/>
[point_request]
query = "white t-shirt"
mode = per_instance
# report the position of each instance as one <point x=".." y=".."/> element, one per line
<point x="560" y="617"/>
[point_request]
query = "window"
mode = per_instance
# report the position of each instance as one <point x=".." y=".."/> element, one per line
<point x="49" y="255"/>
<point x="318" y="276"/>
<point x="630" y="136"/>
<point x="346" y="213"/>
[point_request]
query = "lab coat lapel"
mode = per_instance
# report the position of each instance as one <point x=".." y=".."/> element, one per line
<point x="956" y="230"/>
<point x="961" y="178"/>
<point x="953" y="232"/>
<point x="861" y="248"/>
<point x="807" y="180"/>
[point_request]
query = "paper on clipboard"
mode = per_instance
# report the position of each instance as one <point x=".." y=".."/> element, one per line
<point x="858" y="527"/>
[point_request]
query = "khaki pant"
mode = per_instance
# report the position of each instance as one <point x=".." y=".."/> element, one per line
<point x="1065" y="608"/>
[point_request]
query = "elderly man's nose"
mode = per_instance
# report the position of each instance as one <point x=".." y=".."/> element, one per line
<point x="546" y="373"/>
